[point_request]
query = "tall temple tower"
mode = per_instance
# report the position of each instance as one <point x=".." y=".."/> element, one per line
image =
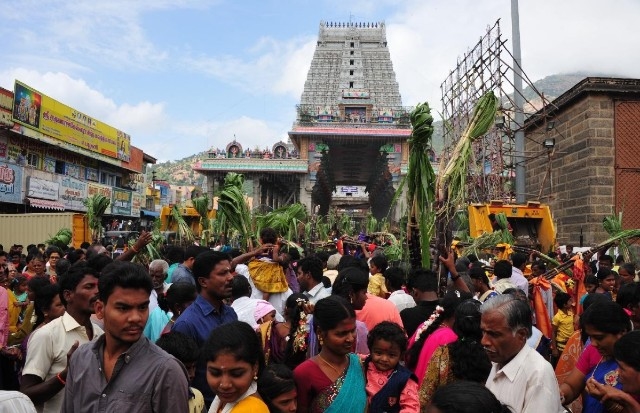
<point x="351" y="126"/>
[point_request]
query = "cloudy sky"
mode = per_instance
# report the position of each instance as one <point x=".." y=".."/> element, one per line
<point x="181" y="76"/>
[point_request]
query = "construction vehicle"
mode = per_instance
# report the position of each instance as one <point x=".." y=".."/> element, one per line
<point x="190" y="215"/>
<point x="531" y="224"/>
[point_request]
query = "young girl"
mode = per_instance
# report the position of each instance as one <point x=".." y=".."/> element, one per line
<point x="390" y="387"/>
<point x="234" y="362"/>
<point x="332" y="381"/>
<point x="278" y="389"/>
<point x="265" y="265"/>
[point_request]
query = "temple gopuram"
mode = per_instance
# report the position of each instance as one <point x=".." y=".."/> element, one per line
<point x="348" y="145"/>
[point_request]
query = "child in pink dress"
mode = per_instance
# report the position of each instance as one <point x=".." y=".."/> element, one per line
<point x="390" y="387"/>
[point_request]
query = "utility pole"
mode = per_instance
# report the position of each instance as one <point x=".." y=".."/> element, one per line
<point x="518" y="109"/>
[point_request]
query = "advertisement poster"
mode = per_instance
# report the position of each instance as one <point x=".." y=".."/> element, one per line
<point x="121" y="202"/>
<point x="10" y="183"/>
<point x="135" y="205"/>
<point x="72" y="193"/>
<point x="37" y="111"/>
<point x="104" y="190"/>
<point x="43" y="189"/>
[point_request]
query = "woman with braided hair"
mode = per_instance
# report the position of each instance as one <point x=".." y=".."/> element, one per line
<point x="436" y="331"/>
<point x="464" y="359"/>
<point x="286" y="342"/>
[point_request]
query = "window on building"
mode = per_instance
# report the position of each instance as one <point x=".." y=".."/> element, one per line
<point x="351" y="62"/>
<point x="353" y="44"/>
<point x="59" y="167"/>
<point x="118" y="181"/>
<point x="351" y="72"/>
<point x="351" y="53"/>
<point x="33" y="159"/>
<point x="350" y="85"/>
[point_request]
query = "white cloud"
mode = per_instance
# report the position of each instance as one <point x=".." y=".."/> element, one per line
<point x="278" y="66"/>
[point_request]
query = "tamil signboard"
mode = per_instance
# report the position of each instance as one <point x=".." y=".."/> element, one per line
<point x="41" y="188"/>
<point x="121" y="202"/>
<point x="72" y="193"/>
<point x="104" y="190"/>
<point x="10" y="183"/>
<point x="39" y="112"/>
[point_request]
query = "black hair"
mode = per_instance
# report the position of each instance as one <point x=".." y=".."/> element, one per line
<point x="236" y="338"/>
<point x="326" y="281"/>
<point x="180" y="346"/>
<point x="627" y="349"/>
<point x="469" y="360"/>
<point x="312" y="265"/>
<point x="603" y="273"/>
<point x="351" y="261"/>
<point x="607" y="317"/>
<point x="606" y="257"/>
<point x="85" y="245"/>
<point x="330" y="311"/>
<point x="388" y="331"/>
<point x="73" y="277"/>
<point x="275" y="380"/>
<point x="591" y="279"/>
<point x="44" y="298"/>
<point x="295" y="311"/>
<point x="178" y="293"/>
<point x="292" y="252"/>
<point x="629" y="267"/>
<point x="75" y="256"/>
<point x="380" y="261"/>
<point x="449" y="303"/>
<point x="123" y="274"/>
<point x="423" y="280"/>
<point x="51" y="249"/>
<point x="467" y="397"/>
<point x="561" y="299"/>
<point x="36" y="283"/>
<point x="98" y="262"/>
<point x="62" y="266"/>
<point x="472" y="258"/>
<point x="348" y="281"/>
<point x="518" y="259"/>
<point x="204" y="263"/>
<point x="268" y="235"/>
<point x="502" y="269"/>
<point x="323" y="255"/>
<point x="620" y="259"/>
<point x="174" y="254"/>
<point x="396" y="277"/>
<point x="540" y="264"/>
<point x="479" y="273"/>
<point x="192" y="251"/>
<point x="240" y="287"/>
<point x="627" y="295"/>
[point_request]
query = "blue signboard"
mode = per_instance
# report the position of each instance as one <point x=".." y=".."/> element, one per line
<point x="10" y="183"/>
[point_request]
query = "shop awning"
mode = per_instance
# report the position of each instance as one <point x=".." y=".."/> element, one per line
<point x="46" y="204"/>
<point x="147" y="213"/>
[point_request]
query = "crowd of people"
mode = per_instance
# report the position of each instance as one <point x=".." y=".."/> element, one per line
<point x="276" y="329"/>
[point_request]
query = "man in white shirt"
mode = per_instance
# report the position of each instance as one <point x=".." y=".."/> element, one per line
<point x="519" y="261"/>
<point x="45" y="370"/>
<point x="520" y="377"/>
<point x="158" y="270"/>
<point x="243" y="304"/>
<point x="310" y="279"/>
<point x="395" y="280"/>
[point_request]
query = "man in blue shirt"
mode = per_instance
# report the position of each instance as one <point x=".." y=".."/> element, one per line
<point x="184" y="271"/>
<point x="212" y="274"/>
